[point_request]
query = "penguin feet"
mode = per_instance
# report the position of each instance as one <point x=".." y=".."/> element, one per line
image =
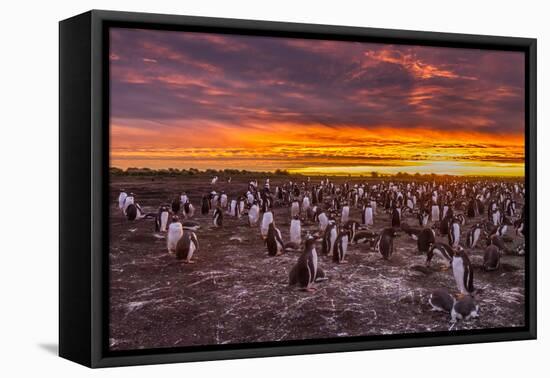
<point x="344" y="261"/>
<point x="189" y="261"/>
<point x="310" y="289"/>
<point x="444" y="268"/>
<point x="459" y="296"/>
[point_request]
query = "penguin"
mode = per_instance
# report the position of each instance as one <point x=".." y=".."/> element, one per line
<point x="306" y="204"/>
<point x="367" y="215"/>
<point x="441" y="250"/>
<point x="295" y="209"/>
<point x="473" y="235"/>
<point x="329" y="239"/>
<point x="463" y="272"/>
<point x="461" y="219"/>
<point x="205" y="206"/>
<point x="345" y="214"/>
<point x="296" y="231"/>
<point x="161" y="220"/>
<point x="464" y="309"/>
<point x="497" y="242"/>
<point x="217" y="218"/>
<point x="306" y="271"/>
<point x="253" y="215"/>
<point x="175" y="232"/>
<point x="503" y="227"/>
<point x="341" y="246"/>
<point x="323" y="221"/>
<point x="241" y="206"/>
<point x="187" y="246"/>
<point x="364" y="237"/>
<point x="188" y="210"/>
<point x="223" y="200"/>
<point x="454" y="233"/>
<point x="423" y="218"/>
<point x="176" y="205"/>
<point x="214" y="180"/>
<point x="274" y="241"/>
<point x="133" y="212"/>
<point x="267" y="219"/>
<point x="183" y="197"/>
<point x="214" y="200"/>
<point x="129" y="200"/>
<point x="352" y="227"/>
<point x="435" y="213"/>
<point x="384" y="243"/>
<point x="491" y="258"/>
<point x="441" y="300"/>
<point x="425" y="240"/>
<point x="233" y="209"/>
<point x="444" y="226"/>
<point x="396" y="218"/>
<point x="121" y="198"/>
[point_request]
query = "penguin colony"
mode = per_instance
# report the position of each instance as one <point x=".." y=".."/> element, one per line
<point x="439" y="216"/>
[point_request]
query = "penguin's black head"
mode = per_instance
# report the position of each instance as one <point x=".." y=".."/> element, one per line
<point x="175" y="218"/>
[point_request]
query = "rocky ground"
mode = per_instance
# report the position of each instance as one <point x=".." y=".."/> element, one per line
<point x="235" y="293"/>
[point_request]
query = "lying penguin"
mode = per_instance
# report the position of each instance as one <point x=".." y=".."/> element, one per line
<point x="464" y="309"/>
<point x="441" y="300"/>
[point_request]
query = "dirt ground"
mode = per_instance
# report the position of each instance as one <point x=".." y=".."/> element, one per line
<point x="235" y="293"/>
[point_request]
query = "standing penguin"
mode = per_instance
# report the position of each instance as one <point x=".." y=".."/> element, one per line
<point x="345" y="214"/>
<point x="274" y="241"/>
<point x="423" y="217"/>
<point x="121" y="198"/>
<point x="233" y="208"/>
<point x="205" y="205"/>
<point x="367" y="215"/>
<point x="473" y="235"/>
<point x="454" y="233"/>
<point x="295" y="209"/>
<point x="425" y="240"/>
<point x="175" y="232"/>
<point x="253" y="215"/>
<point x="223" y="200"/>
<point x="306" y="271"/>
<point x="176" y="205"/>
<point x="161" y="220"/>
<point x="323" y="221"/>
<point x="463" y="272"/>
<point x="396" y="217"/>
<point x="491" y="258"/>
<point x="187" y="246"/>
<point x="267" y="219"/>
<point x="435" y="212"/>
<point x="296" y="231"/>
<point x="341" y="246"/>
<point x="329" y="239"/>
<point x="129" y="200"/>
<point x="188" y="210"/>
<point x="384" y="243"/>
<point x="217" y="218"/>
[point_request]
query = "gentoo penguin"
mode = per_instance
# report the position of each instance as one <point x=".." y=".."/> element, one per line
<point x="187" y="246"/>
<point x="329" y="239"/>
<point x="441" y="300"/>
<point x="341" y="246"/>
<point x="267" y="219"/>
<point x="463" y="272"/>
<point x="253" y="215"/>
<point x="161" y="220"/>
<point x="435" y="213"/>
<point x="323" y="221"/>
<point x="233" y="208"/>
<point x="496" y="241"/>
<point x="214" y="180"/>
<point x="241" y="206"/>
<point x="473" y="235"/>
<point x="188" y="210"/>
<point x="441" y="250"/>
<point x="503" y="227"/>
<point x="133" y="211"/>
<point x="423" y="218"/>
<point x="217" y="218"/>
<point x="454" y="233"/>
<point x="306" y="271"/>
<point x="425" y="240"/>
<point x="491" y="258"/>
<point x="345" y="214"/>
<point x="296" y="231"/>
<point x="352" y="226"/>
<point x="175" y="232"/>
<point x="384" y="243"/>
<point x="183" y="197"/>
<point x="464" y="309"/>
<point x="129" y="200"/>
<point x="396" y="217"/>
<point x="295" y="209"/>
<point x="205" y="206"/>
<point x="367" y="216"/>
<point x="274" y="241"/>
<point x="223" y="200"/>
<point x="121" y="198"/>
<point x="306" y="204"/>
<point x="176" y="205"/>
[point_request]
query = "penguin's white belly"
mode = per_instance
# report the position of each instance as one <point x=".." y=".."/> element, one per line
<point x="323" y="222"/>
<point x="314" y="260"/>
<point x="477" y="232"/>
<point x="458" y="273"/>
<point x="192" y="249"/>
<point x="332" y="240"/>
<point x="174" y="235"/>
<point x="266" y="220"/>
<point x="345" y="214"/>
<point x="121" y="199"/>
<point x="295" y="232"/>
<point x="344" y="246"/>
<point x="456" y="234"/>
<point x="295" y="210"/>
<point x="435" y="213"/>
<point x="373" y="205"/>
<point x="368" y="216"/>
<point x="445" y="209"/>
<point x="163" y="221"/>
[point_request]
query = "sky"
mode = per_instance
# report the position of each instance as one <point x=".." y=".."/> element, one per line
<point x="199" y="100"/>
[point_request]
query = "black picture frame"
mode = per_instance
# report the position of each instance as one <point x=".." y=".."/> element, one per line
<point x="83" y="181"/>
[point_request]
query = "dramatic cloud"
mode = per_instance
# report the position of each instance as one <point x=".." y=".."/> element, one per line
<point x="201" y="100"/>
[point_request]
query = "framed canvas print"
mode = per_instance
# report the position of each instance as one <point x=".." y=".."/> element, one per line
<point x="233" y="188"/>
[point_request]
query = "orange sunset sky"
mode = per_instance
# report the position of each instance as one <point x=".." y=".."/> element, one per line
<point x="197" y="100"/>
